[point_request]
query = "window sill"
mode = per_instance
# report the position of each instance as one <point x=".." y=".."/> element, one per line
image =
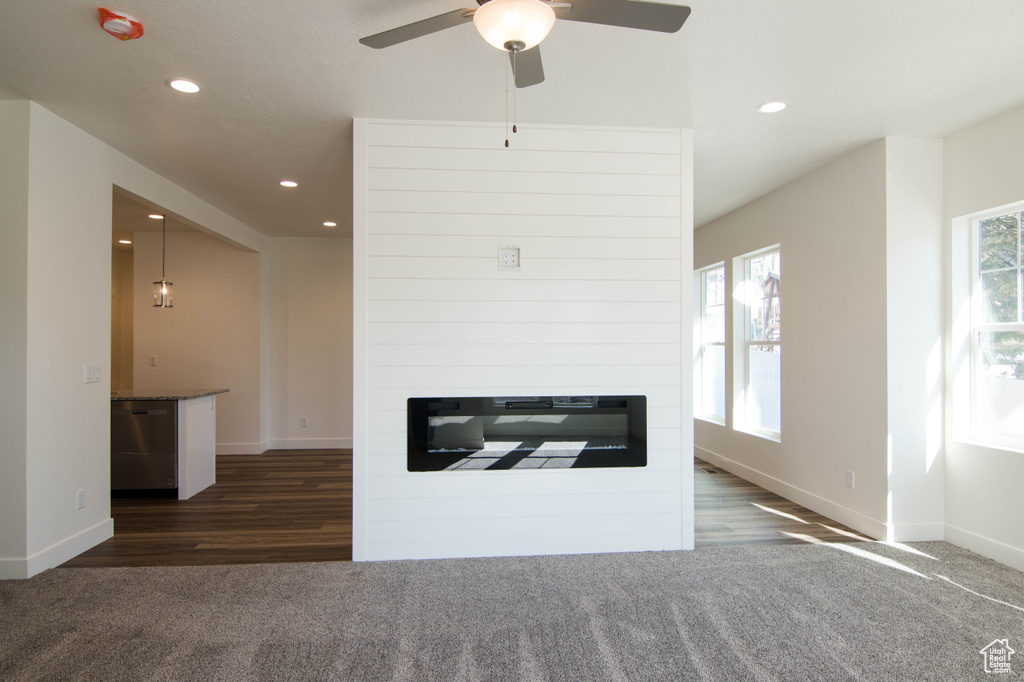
<point x="1002" y="447"/>
<point x="773" y="436"/>
<point x="710" y="420"/>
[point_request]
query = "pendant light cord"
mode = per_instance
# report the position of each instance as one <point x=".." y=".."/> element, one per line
<point x="163" y="254"/>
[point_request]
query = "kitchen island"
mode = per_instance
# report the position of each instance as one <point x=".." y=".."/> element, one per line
<point x="164" y="439"/>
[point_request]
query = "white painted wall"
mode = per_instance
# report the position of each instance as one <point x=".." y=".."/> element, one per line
<point x="14" y="160"/>
<point x="310" y="342"/>
<point x="603" y="218"/>
<point x="914" y="283"/>
<point x="984" y="169"/>
<point x="58" y="280"/>
<point x="211" y="337"/>
<point x="68" y="421"/>
<point x="831" y="228"/>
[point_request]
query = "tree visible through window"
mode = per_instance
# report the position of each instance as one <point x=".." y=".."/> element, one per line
<point x="998" y="333"/>
<point x="709" y="387"/>
<point x="762" y="356"/>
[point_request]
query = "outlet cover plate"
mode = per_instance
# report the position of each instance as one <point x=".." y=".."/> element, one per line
<point x="508" y="257"/>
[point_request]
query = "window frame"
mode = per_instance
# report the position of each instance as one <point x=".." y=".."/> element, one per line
<point x="742" y="345"/>
<point x="978" y="326"/>
<point x="700" y="344"/>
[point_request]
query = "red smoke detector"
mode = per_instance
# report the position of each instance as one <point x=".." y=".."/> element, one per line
<point x="120" y="25"/>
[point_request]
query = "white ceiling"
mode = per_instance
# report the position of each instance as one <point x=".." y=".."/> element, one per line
<point x="282" y="82"/>
<point x="129" y="216"/>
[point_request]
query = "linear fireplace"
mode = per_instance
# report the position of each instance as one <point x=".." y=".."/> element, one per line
<point x="532" y="432"/>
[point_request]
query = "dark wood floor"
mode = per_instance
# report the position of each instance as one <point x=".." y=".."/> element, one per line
<point x="283" y="505"/>
<point x="732" y="511"/>
<point x="296" y="505"/>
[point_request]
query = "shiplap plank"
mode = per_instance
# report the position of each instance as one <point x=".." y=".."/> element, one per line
<point x="647" y="227"/>
<point x="531" y="138"/>
<point x="593" y="541"/>
<point x="517" y="355"/>
<point x="520" y="290"/>
<point x="395" y="398"/>
<point x="623" y="312"/>
<point x="519" y="203"/>
<point x="470" y="333"/>
<point x="420" y="180"/>
<point x="515" y="483"/>
<point x="534" y="505"/>
<point x="518" y="161"/>
<point x="522" y="377"/>
<point x="423" y="246"/>
<point x="471" y="526"/>
<point x="530" y="268"/>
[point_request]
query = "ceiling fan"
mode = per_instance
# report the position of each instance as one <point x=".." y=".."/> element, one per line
<point x="517" y="26"/>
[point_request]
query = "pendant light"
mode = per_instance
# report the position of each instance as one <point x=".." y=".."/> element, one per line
<point x="162" y="293"/>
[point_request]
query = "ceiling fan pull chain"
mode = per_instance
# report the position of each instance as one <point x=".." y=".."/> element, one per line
<point x="506" y="102"/>
<point x="514" y="53"/>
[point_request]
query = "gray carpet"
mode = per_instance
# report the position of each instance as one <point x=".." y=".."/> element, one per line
<point x="863" y="611"/>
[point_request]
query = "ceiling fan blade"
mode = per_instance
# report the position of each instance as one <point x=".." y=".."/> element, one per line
<point x="528" y="67"/>
<point x="649" y="16"/>
<point x="418" y="29"/>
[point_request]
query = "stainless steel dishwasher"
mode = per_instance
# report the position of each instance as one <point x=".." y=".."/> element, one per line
<point x="144" y="445"/>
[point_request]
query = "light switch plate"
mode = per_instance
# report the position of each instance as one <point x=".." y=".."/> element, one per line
<point x="92" y="374"/>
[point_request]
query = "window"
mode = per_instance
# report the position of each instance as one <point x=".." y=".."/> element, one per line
<point x="709" y="368"/>
<point x="759" y="350"/>
<point x="997" y="333"/>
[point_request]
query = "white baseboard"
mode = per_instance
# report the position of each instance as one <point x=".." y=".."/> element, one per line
<point x="58" y="553"/>
<point x="242" y="448"/>
<point x="309" y="443"/>
<point x="283" y="444"/>
<point x="918" y="532"/>
<point x="986" y="547"/>
<point x="865" y="524"/>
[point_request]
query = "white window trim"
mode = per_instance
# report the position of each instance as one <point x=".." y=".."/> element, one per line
<point x="969" y="295"/>
<point x="700" y="304"/>
<point x="741" y="350"/>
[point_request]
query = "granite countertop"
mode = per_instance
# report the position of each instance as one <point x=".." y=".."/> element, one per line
<point x="166" y="393"/>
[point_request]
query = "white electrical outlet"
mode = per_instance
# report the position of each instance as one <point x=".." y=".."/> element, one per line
<point x="80" y="499"/>
<point x="92" y="374"/>
<point x="508" y="257"/>
<point x="850" y="482"/>
<point x="303" y="422"/>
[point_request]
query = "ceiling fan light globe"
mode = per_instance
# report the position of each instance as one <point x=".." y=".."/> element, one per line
<point x="516" y="21"/>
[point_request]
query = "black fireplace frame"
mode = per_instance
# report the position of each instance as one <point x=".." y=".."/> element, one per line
<point x="613" y="428"/>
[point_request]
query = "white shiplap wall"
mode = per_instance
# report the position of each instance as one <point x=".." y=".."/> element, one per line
<point x="600" y="305"/>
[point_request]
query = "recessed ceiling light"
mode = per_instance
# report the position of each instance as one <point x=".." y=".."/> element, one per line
<point x="184" y="85"/>
<point x="124" y="241"/>
<point x="289" y="183"/>
<point x="771" y="107"/>
<point x="155" y="216"/>
<point x="330" y="224"/>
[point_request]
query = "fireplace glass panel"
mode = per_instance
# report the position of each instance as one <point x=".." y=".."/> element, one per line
<point x="526" y="432"/>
